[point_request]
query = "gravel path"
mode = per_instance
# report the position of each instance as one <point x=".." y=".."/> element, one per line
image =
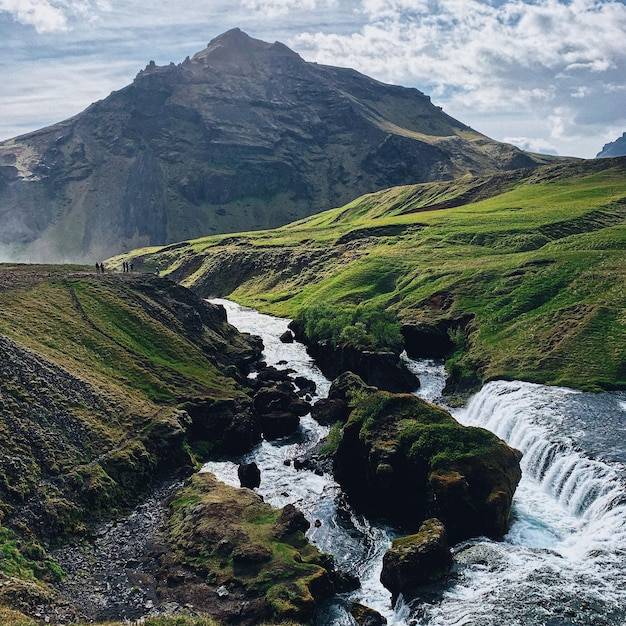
<point x="113" y="577"/>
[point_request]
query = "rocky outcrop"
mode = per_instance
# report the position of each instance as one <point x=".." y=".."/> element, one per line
<point x="280" y="409"/>
<point x="404" y="459"/>
<point x="616" y="148"/>
<point x="230" y="538"/>
<point x="336" y="407"/>
<point x="424" y="340"/>
<point x="383" y="369"/>
<point x="109" y="384"/>
<point x="416" y="559"/>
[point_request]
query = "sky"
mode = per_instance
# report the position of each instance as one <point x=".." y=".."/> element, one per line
<point x="546" y="75"/>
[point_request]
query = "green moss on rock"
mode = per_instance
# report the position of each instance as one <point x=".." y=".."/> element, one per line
<point x="229" y="536"/>
<point x="406" y="459"/>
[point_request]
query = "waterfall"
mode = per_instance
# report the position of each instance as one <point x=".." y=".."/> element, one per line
<point x="530" y="417"/>
<point x="562" y="562"/>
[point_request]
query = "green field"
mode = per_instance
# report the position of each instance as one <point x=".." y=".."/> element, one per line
<point x="536" y="256"/>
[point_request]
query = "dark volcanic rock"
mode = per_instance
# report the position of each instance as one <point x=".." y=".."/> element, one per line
<point x="616" y="148"/>
<point x="417" y="559"/>
<point x="249" y="475"/>
<point x="384" y="370"/>
<point x="336" y="408"/>
<point x="287" y="337"/>
<point x="364" y="616"/>
<point x="242" y="136"/>
<point x="289" y="521"/>
<point x="326" y="411"/>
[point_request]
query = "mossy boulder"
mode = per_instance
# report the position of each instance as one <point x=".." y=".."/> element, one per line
<point x="336" y="407"/>
<point x="401" y="458"/>
<point x="417" y="559"/>
<point x="233" y="539"/>
<point x="365" y="616"/>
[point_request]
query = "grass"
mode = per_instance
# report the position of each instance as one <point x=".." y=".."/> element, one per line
<point x="230" y="537"/>
<point x="93" y="376"/>
<point x="536" y="257"/>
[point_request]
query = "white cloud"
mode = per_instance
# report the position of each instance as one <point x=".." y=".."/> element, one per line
<point x="276" y="8"/>
<point x="50" y="16"/>
<point x="43" y="15"/>
<point x="509" y="68"/>
<point x="532" y="144"/>
<point x="543" y="57"/>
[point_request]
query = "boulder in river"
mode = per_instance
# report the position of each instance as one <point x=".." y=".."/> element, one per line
<point x="249" y="475"/>
<point x="280" y="410"/>
<point x="287" y="337"/>
<point x="365" y="616"/>
<point x="416" y="560"/>
<point x="405" y="459"/>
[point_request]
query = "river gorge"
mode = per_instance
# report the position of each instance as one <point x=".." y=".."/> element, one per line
<point x="562" y="560"/>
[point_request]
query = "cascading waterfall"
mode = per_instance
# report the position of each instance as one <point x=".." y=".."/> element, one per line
<point x="562" y="563"/>
<point x="531" y="418"/>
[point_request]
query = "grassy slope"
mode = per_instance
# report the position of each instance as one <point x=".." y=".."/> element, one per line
<point x="537" y="257"/>
<point x="89" y="384"/>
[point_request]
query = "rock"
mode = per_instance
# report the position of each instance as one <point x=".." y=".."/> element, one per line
<point x="434" y="341"/>
<point x="364" y="616"/>
<point x="272" y="374"/>
<point x="279" y="424"/>
<point x="287" y="337"/>
<point x="327" y="411"/>
<point x="249" y="475"/>
<point x="404" y="459"/>
<point x="279" y="409"/>
<point x="231" y="426"/>
<point x="289" y="521"/>
<point x="427" y="341"/>
<point x="305" y="384"/>
<point x="251" y="553"/>
<point x="269" y="578"/>
<point x="380" y="368"/>
<point x="336" y="407"/>
<point x="279" y="398"/>
<point x="417" y="559"/>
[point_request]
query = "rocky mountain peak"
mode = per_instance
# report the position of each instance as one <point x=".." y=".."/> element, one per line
<point x="236" y="47"/>
<point x="244" y="135"/>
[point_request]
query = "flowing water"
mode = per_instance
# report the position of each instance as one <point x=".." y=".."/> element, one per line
<point x="563" y="561"/>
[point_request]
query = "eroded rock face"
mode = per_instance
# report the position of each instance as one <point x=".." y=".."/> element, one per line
<point x="279" y="408"/>
<point x="382" y="369"/>
<point x="417" y="559"/>
<point x="407" y="460"/>
<point x="232" y="538"/>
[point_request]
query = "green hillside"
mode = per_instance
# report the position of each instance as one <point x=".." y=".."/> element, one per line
<point x="534" y="258"/>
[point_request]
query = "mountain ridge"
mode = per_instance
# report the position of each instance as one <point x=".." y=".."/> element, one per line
<point x="244" y="135"/>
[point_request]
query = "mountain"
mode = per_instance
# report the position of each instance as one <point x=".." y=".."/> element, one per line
<point x="245" y="135"/>
<point x="613" y="149"/>
<point x="516" y="275"/>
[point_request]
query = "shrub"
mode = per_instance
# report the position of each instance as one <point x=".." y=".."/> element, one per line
<point x="364" y="327"/>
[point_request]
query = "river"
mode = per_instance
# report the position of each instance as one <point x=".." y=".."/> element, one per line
<point x="563" y="561"/>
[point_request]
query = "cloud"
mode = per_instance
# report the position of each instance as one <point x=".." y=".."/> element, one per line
<point x="532" y="144"/>
<point x="43" y="15"/>
<point x="546" y="56"/>
<point x="53" y="16"/>
<point x="275" y="8"/>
